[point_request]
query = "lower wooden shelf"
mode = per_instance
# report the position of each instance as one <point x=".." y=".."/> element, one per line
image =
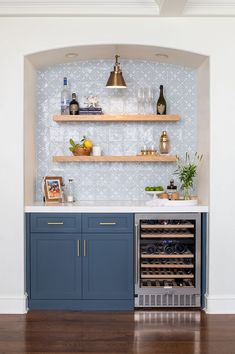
<point x="147" y="158"/>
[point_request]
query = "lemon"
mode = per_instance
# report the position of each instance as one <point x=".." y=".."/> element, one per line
<point x="88" y="143"/>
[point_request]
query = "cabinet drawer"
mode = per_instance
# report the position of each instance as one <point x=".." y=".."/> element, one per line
<point x="55" y="222"/>
<point x="102" y="223"/>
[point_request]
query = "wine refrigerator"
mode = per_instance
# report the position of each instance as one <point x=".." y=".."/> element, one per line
<point x="168" y="260"/>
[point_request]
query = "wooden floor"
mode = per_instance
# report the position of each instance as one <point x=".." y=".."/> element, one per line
<point x="168" y="332"/>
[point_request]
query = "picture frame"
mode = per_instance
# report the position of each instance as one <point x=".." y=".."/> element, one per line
<point x="53" y="188"/>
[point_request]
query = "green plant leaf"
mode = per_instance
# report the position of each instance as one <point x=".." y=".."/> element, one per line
<point x="72" y="142"/>
<point x="71" y="149"/>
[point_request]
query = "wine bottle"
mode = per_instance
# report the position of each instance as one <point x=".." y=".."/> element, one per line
<point x="65" y="98"/>
<point x="74" y="106"/>
<point x="161" y="103"/>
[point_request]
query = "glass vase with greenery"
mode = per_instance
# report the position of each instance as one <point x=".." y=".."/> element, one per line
<point x="187" y="171"/>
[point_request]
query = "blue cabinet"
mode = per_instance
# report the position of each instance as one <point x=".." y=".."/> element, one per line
<point x="108" y="266"/>
<point x="70" y="268"/>
<point x="55" y="266"/>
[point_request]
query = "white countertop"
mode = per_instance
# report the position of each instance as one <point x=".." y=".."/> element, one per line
<point x="111" y="207"/>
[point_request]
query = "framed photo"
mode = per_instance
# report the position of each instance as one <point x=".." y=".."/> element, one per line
<point x="53" y="188"/>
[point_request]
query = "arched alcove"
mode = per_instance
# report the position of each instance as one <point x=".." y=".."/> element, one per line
<point x="37" y="62"/>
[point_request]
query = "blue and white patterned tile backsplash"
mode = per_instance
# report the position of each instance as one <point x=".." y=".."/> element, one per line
<point x="113" y="181"/>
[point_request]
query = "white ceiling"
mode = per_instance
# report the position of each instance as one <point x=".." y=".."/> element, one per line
<point x="153" y="8"/>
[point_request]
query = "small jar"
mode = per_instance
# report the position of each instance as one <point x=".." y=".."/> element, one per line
<point x="164" y="145"/>
<point x="172" y="190"/>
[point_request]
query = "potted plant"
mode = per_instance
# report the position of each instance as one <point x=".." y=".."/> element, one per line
<point x="187" y="171"/>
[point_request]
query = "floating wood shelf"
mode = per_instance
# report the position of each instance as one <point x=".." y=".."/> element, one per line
<point x="150" y="158"/>
<point x="117" y="118"/>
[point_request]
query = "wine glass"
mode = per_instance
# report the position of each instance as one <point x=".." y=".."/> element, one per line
<point x="149" y="99"/>
<point x="140" y="100"/>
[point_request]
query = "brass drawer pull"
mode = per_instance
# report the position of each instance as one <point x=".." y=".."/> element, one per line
<point x="107" y="223"/>
<point x="84" y="248"/>
<point x="55" y="223"/>
<point x="78" y="248"/>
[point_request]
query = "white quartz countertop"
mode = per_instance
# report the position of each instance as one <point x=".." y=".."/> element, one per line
<point x="111" y="207"/>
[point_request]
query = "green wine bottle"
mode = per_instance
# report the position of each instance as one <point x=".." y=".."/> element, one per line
<point x="161" y="103"/>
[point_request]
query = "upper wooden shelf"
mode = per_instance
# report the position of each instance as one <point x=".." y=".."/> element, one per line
<point x="150" y="158"/>
<point x="117" y="118"/>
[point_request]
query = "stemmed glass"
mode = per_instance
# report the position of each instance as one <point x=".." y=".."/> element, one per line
<point x="141" y="100"/>
<point x="149" y="99"/>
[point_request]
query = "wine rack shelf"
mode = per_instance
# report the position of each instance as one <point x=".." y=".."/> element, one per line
<point x="164" y="255"/>
<point x="165" y="284"/>
<point x="150" y="158"/>
<point x="166" y="276"/>
<point x="167" y="236"/>
<point x="183" y="266"/>
<point x="117" y="118"/>
<point x="167" y="226"/>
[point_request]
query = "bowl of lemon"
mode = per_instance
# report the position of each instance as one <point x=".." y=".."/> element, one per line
<point x="83" y="148"/>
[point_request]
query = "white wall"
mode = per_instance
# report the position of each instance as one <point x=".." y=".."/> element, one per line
<point x="212" y="37"/>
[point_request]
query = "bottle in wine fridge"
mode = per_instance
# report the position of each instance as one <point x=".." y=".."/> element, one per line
<point x="74" y="105"/>
<point x="65" y="98"/>
<point x="161" y="103"/>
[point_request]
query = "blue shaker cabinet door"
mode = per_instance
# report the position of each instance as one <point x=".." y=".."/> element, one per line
<point x="55" y="266"/>
<point x="108" y="266"/>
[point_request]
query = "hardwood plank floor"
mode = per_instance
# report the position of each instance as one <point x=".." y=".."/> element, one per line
<point x="155" y="332"/>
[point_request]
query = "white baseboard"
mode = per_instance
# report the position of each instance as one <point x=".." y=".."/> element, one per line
<point x="223" y="304"/>
<point x="13" y="305"/>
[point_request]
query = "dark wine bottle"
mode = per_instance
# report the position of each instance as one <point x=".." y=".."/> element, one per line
<point x="161" y="103"/>
<point x="74" y="105"/>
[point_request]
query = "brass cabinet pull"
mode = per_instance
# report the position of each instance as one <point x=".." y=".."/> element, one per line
<point x="107" y="223"/>
<point x="55" y="223"/>
<point x="78" y="248"/>
<point x="84" y="248"/>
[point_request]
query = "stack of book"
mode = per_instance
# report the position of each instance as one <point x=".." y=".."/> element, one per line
<point x="90" y="110"/>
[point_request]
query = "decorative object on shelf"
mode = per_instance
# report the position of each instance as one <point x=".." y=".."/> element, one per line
<point x="161" y="103"/>
<point x="116" y="79"/>
<point x="187" y="171"/>
<point x="65" y="98"/>
<point x="70" y="191"/>
<point x="92" y="104"/>
<point x="83" y="148"/>
<point x="74" y="105"/>
<point x="96" y="151"/>
<point x="164" y="145"/>
<point x="53" y="188"/>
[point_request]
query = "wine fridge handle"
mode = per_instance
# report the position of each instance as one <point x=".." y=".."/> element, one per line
<point x="137" y="256"/>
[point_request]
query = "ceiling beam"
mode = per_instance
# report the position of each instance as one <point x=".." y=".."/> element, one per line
<point x="171" y="7"/>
